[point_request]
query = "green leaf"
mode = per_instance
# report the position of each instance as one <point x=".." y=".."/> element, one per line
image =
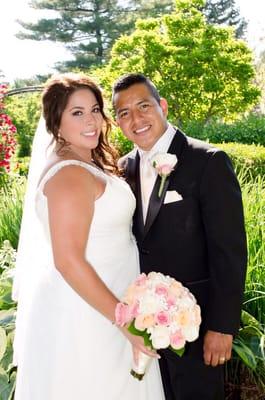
<point x="144" y="334"/>
<point x="179" y="352"/>
<point x="7" y="318"/>
<point x="135" y="331"/>
<point x="7" y="359"/>
<point x="249" y="320"/>
<point x="248" y="331"/>
<point x="7" y="385"/>
<point x="3" y="384"/>
<point x="253" y="338"/>
<point x="245" y="354"/>
<point x="3" y="342"/>
<point x="147" y="340"/>
<point x="12" y="385"/>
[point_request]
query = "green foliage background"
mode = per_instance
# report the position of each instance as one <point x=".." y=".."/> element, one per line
<point x="201" y="69"/>
<point x="207" y="76"/>
<point x="24" y="111"/>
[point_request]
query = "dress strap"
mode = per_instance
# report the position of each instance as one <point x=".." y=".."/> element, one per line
<point x="61" y="164"/>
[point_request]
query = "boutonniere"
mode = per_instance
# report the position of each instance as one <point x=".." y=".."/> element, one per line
<point x="164" y="164"/>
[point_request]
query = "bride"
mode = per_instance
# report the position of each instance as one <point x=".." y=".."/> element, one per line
<point x="72" y="271"/>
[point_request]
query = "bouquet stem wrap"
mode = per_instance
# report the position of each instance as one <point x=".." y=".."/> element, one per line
<point x="138" y="370"/>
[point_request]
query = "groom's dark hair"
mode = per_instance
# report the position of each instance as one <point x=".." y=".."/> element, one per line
<point x="128" y="80"/>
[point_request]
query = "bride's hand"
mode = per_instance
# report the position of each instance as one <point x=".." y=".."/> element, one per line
<point x="138" y="345"/>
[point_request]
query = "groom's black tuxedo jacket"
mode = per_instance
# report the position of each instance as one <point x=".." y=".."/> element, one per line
<point x="199" y="240"/>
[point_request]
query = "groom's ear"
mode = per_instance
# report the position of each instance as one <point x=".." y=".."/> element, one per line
<point x="164" y="106"/>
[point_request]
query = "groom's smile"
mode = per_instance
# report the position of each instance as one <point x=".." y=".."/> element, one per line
<point x="140" y="116"/>
<point x="142" y="130"/>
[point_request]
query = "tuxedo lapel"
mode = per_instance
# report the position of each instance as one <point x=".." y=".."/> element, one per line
<point x="131" y="172"/>
<point x="156" y="202"/>
<point x="133" y="178"/>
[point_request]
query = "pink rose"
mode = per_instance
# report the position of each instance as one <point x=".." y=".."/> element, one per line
<point x="177" y="340"/>
<point x="130" y="295"/>
<point x="164" y="169"/>
<point x="171" y="301"/>
<point x="162" y="318"/>
<point x="161" y="290"/>
<point x="134" y="309"/>
<point x="141" y="280"/>
<point x="164" y="164"/>
<point x="122" y="314"/>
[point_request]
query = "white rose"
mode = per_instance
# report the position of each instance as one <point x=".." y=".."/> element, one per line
<point x="149" y="304"/>
<point x="186" y="302"/>
<point x="190" y="333"/>
<point x="164" y="164"/>
<point x="164" y="158"/>
<point x="156" y="277"/>
<point x="160" y="337"/>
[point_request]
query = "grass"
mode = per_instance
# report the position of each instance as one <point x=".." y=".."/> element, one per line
<point x="11" y="205"/>
<point x="245" y="373"/>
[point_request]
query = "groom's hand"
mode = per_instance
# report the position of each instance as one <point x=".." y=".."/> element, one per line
<point x="217" y="348"/>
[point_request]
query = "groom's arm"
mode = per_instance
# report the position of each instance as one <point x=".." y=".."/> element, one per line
<point x="222" y="212"/>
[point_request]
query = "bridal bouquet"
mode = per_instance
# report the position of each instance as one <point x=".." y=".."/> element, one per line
<point x="162" y="311"/>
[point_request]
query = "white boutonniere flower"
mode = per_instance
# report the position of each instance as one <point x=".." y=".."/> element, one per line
<point x="164" y="164"/>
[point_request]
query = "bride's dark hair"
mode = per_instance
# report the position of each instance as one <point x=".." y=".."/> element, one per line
<point x="57" y="91"/>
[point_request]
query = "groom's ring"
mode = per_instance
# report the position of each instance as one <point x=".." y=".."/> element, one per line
<point x="222" y="359"/>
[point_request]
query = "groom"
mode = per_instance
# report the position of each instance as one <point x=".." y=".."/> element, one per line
<point x="194" y="232"/>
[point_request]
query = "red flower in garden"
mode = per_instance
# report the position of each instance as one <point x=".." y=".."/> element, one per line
<point x="7" y="132"/>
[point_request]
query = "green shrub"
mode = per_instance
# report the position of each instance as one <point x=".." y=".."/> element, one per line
<point x="25" y="112"/>
<point x="249" y="130"/>
<point x="247" y="369"/>
<point x="120" y="142"/>
<point x="249" y="158"/>
<point x="11" y="204"/>
<point x="7" y="322"/>
<point x="20" y="166"/>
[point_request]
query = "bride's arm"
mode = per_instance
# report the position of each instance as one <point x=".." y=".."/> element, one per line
<point x="71" y="195"/>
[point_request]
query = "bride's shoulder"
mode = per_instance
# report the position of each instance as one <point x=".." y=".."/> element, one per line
<point x="68" y="173"/>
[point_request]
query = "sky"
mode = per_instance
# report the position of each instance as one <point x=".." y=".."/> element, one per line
<point x="26" y="58"/>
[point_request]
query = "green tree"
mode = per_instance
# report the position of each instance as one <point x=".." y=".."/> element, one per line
<point x="151" y="8"/>
<point x="201" y="69"/>
<point x="221" y="12"/>
<point x="88" y="28"/>
<point x="36" y="80"/>
<point x="225" y="12"/>
<point x="260" y="80"/>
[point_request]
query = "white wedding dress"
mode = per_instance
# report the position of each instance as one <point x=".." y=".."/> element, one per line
<point x="68" y="350"/>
